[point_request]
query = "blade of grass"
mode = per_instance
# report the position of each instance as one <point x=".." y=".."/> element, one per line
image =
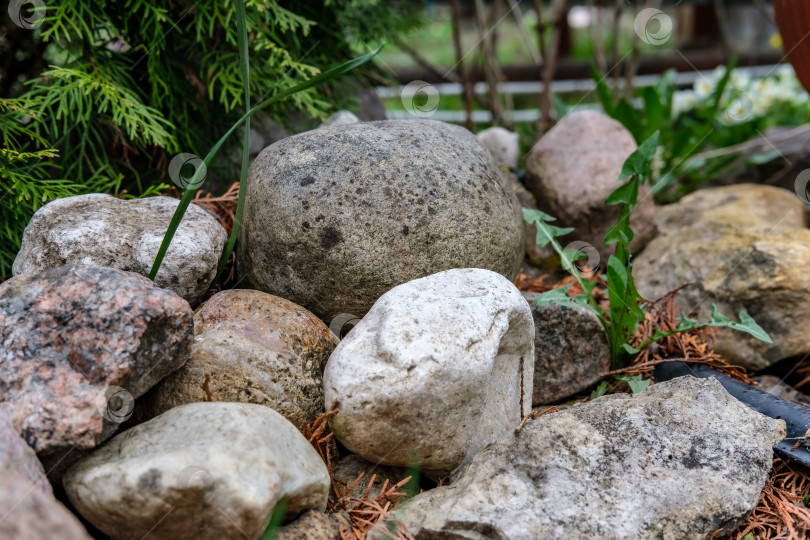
<point x="244" y="65"/>
<point x="196" y="180"/>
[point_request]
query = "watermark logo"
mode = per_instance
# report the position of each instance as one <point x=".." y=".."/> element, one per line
<point x="115" y="404"/>
<point x="26" y="14"/>
<point x="585" y="257"/>
<point x="194" y="477"/>
<point x="801" y="185"/>
<point x="343" y="323"/>
<point x="420" y="98"/>
<point x="739" y="109"/>
<point x="187" y="171"/>
<point x="653" y="26"/>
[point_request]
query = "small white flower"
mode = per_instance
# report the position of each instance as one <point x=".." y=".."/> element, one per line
<point x="683" y="101"/>
<point x="703" y="87"/>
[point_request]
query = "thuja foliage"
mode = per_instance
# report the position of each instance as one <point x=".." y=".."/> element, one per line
<point x="625" y="304"/>
<point x="116" y="89"/>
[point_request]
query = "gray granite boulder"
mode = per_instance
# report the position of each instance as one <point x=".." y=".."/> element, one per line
<point x="650" y="466"/>
<point x="570" y="351"/>
<point x="337" y="216"/>
<point x="125" y="234"/>
<point x="79" y="343"/>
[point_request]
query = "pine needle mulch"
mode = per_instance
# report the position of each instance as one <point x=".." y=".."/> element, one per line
<point x="783" y="511"/>
<point x="364" y="512"/>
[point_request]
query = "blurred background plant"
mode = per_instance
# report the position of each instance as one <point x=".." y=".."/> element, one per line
<point x="98" y="96"/>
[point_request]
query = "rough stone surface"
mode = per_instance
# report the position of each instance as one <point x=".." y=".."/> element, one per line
<point x="435" y="370"/>
<point x="759" y="268"/>
<point x="29" y="513"/>
<point x="203" y="470"/>
<point x="17" y="456"/>
<point x="744" y="204"/>
<point x="70" y="338"/>
<point x="312" y="525"/>
<point x="125" y="234"/>
<point x="573" y="169"/>
<point x="654" y="465"/>
<point x="251" y="347"/>
<point x="335" y="217"/>
<point x="570" y="351"/>
<point x="502" y="144"/>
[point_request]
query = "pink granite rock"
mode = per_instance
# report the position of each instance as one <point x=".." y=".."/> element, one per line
<point x="573" y="169"/>
<point x="79" y="343"/>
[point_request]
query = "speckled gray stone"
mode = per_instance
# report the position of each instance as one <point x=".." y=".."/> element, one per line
<point x="17" y="456"/>
<point x="337" y="216"/>
<point x="677" y="461"/>
<point x="208" y="471"/>
<point x="570" y="351"/>
<point x="125" y="234"/>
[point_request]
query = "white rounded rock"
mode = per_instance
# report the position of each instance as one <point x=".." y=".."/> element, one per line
<point x="125" y="234"/>
<point x="438" y="368"/>
<point x="203" y="470"/>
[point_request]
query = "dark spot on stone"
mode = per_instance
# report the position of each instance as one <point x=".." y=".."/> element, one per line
<point x="320" y="218"/>
<point x="405" y="230"/>
<point x="307" y="181"/>
<point x="330" y="237"/>
<point x="149" y="480"/>
<point x="305" y="205"/>
<point x="305" y="225"/>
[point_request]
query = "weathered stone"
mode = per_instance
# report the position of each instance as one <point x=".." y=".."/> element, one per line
<point x="79" y="342"/>
<point x="759" y="268"/>
<point x="654" y="465"/>
<point x="125" y="234"/>
<point x="17" y="456"/>
<point x="439" y="368"/>
<point x="251" y="347"/>
<point x="745" y="204"/>
<point x="335" y="217"/>
<point x="575" y="167"/>
<point x="203" y="470"/>
<point x="28" y="512"/>
<point x="570" y="351"/>
<point x="311" y="525"/>
<point x="502" y="144"/>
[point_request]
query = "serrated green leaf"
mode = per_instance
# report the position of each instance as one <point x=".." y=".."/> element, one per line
<point x="638" y="163"/>
<point x="636" y="383"/>
<point x="746" y="324"/>
<point x="630" y="349"/>
<point x="600" y="390"/>
<point x="627" y="193"/>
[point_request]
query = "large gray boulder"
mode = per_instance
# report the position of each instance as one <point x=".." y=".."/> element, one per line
<point x="650" y="466"/>
<point x="79" y="344"/>
<point x="337" y="216"/>
<point x="203" y="470"/>
<point x="574" y="167"/>
<point x="440" y="367"/>
<point x="125" y="234"/>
